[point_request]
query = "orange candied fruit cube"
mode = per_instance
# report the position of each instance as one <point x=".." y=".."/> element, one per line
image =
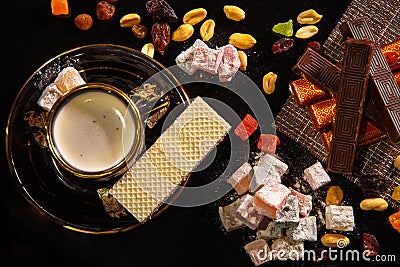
<point x="59" y="7"/>
<point x="394" y="220"/>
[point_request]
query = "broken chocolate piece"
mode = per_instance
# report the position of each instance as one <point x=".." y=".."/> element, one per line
<point x="350" y="100"/>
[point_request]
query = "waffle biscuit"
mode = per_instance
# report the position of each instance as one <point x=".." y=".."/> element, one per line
<point x="168" y="162"/>
<point x="68" y="78"/>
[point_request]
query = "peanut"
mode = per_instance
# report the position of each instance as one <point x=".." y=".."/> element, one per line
<point x="396" y="163"/>
<point x="269" y="80"/>
<point x="243" y="60"/>
<point x="129" y="20"/>
<point x="242" y="40"/>
<point x="234" y="13"/>
<point x="207" y="29"/>
<point x="306" y="32"/>
<point x="194" y="16"/>
<point x="334" y="240"/>
<point x="378" y="204"/>
<point x="148" y="49"/>
<point x="182" y="33"/>
<point x="309" y="17"/>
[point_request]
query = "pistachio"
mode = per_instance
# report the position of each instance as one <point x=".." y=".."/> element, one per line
<point x="309" y="16"/>
<point x="269" y="80"/>
<point x="334" y="240"/>
<point x="234" y="13"/>
<point x="148" y="49"/>
<point x="129" y="20"/>
<point x="243" y="60"/>
<point x="377" y="203"/>
<point x="242" y="40"/>
<point x="207" y="29"/>
<point x="306" y="32"/>
<point x="182" y="33"/>
<point x="194" y="16"/>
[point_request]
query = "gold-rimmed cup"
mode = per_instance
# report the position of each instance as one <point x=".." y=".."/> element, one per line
<point x="95" y="131"/>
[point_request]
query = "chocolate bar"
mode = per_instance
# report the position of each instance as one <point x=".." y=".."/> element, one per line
<point x="383" y="88"/>
<point x="326" y="76"/>
<point x="350" y="105"/>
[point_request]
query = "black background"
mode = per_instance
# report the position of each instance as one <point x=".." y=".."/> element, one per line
<point x="180" y="236"/>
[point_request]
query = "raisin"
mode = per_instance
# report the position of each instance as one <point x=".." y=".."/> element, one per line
<point x="370" y="245"/>
<point x="160" y="10"/>
<point x="314" y="45"/>
<point x="83" y="21"/>
<point x="161" y="36"/>
<point x="282" y="45"/>
<point x="105" y="10"/>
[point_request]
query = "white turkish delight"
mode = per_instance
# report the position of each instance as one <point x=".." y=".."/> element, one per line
<point x="185" y="58"/>
<point x="305" y="230"/>
<point x="258" y="251"/>
<point x="228" y="216"/>
<point x="240" y="180"/>
<point x="305" y="202"/>
<point x="272" y="231"/>
<point x="316" y="176"/>
<point x="247" y="213"/>
<point x="270" y="199"/>
<point x="68" y="78"/>
<point x="289" y="214"/>
<point x="340" y="218"/>
<point x="284" y="249"/>
<point x="268" y="169"/>
<point x="49" y="96"/>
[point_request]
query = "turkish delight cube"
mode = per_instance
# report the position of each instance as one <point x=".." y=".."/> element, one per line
<point x="339" y="218"/>
<point x="240" y="178"/>
<point x="68" y="78"/>
<point x="228" y="216"/>
<point x="230" y="63"/>
<point x="305" y="230"/>
<point x="289" y="215"/>
<point x="305" y="202"/>
<point x="268" y="143"/>
<point x="247" y="213"/>
<point x="258" y="251"/>
<point x="185" y="58"/>
<point x="268" y="169"/>
<point x="207" y="59"/>
<point x="284" y="249"/>
<point x="49" y="96"/>
<point x="246" y="127"/>
<point x="270" y="199"/>
<point x="316" y="176"/>
<point x="272" y="231"/>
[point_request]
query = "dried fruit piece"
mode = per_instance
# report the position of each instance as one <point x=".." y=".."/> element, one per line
<point x="370" y="245"/>
<point x="129" y="20"/>
<point x="282" y="45"/>
<point x="160" y="10"/>
<point x="377" y="203"/>
<point x="161" y="36"/>
<point x="207" y="30"/>
<point x="284" y="28"/>
<point x="316" y="46"/>
<point x="394" y="221"/>
<point x="335" y="240"/>
<point x="396" y="162"/>
<point x="182" y="33"/>
<point x="243" y="60"/>
<point x="234" y="13"/>
<point x="306" y="32"/>
<point x="396" y="193"/>
<point x="83" y="21"/>
<point x="139" y="30"/>
<point x="246" y="127"/>
<point x="194" y="16"/>
<point x="104" y="10"/>
<point x="148" y="49"/>
<point x="242" y="40"/>
<point x="268" y="143"/>
<point x="269" y="80"/>
<point x="309" y="16"/>
<point x="334" y="195"/>
<point x="60" y="7"/>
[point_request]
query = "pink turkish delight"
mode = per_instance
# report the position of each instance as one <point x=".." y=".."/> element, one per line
<point x="247" y="213"/>
<point x="240" y="179"/>
<point x="207" y="59"/>
<point x="316" y="176"/>
<point x="185" y="58"/>
<point x="230" y="63"/>
<point x="305" y="202"/>
<point x="270" y="199"/>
